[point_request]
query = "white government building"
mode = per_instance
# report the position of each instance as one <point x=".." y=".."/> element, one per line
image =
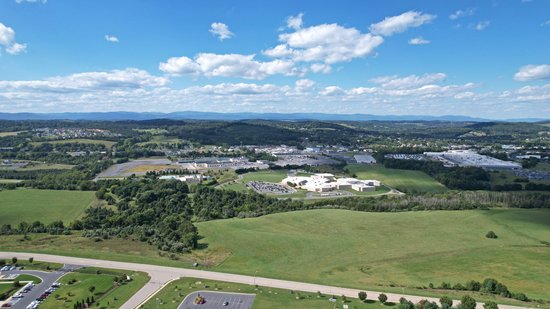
<point x="325" y="182"/>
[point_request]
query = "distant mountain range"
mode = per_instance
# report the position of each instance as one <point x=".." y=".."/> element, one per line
<point x="113" y="116"/>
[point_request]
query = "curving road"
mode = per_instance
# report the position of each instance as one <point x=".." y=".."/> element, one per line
<point x="161" y="275"/>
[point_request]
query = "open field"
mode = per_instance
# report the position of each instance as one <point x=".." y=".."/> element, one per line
<point x="44" y="205"/>
<point x="162" y="139"/>
<point x="393" y="252"/>
<point x="10" y="181"/>
<point x="14" y="133"/>
<point x="266" y="298"/>
<point x="378" y="250"/>
<point x="542" y="167"/>
<point x="402" y="180"/>
<point x="108" y="144"/>
<point x="106" y="292"/>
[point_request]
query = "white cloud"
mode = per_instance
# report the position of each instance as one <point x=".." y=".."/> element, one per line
<point x="332" y="91"/>
<point x="303" y="85"/>
<point x="136" y="90"/>
<point x="400" y="23"/>
<point x="295" y="22"/>
<point x="221" y="31"/>
<point x="408" y="81"/>
<point x="7" y="40"/>
<point x="481" y="25"/>
<point x="461" y="13"/>
<point x="227" y="65"/>
<point x="111" y="38"/>
<point x="115" y="79"/>
<point x="533" y="72"/>
<point x="32" y="1"/>
<point x="320" y="68"/>
<point x="418" y="41"/>
<point x="329" y="43"/>
<point x="546" y="23"/>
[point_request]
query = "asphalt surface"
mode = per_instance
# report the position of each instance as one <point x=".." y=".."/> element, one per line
<point x="161" y="275"/>
<point x="48" y="278"/>
<point x="216" y="300"/>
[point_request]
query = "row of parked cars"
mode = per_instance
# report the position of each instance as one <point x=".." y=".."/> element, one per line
<point x="8" y="268"/>
<point x="35" y="303"/>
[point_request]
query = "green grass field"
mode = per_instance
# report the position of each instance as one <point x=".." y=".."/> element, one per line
<point x="13" y="133"/>
<point x="403" y="180"/>
<point x="266" y="298"/>
<point x="45" y="205"/>
<point x="380" y="250"/>
<point x="106" y="293"/>
<point x="393" y="252"/>
<point x="108" y="144"/>
<point x="8" y="181"/>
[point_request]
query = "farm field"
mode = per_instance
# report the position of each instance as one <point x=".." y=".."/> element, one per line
<point x="380" y="250"/>
<point x="45" y="205"/>
<point x="108" y="144"/>
<point x="402" y="180"/>
<point x="10" y="181"/>
<point x="78" y="286"/>
<point x="266" y="298"/>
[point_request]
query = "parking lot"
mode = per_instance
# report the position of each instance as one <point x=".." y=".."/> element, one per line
<point x="270" y="188"/>
<point x="217" y="300"/>
<point x="32" y="293"/>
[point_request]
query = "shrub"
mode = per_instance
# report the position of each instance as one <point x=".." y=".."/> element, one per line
<point x="383" y="298"/>
<point x="491" y="234"/>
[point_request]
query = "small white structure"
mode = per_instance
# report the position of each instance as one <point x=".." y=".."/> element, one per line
<point x="324" y="182"/>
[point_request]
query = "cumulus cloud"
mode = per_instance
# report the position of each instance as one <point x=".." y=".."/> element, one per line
<point x="408" y="81"/>
<point x="115" y="79"/>
<point x="461" y="13"/>
<point x="533" y="72"/>
<point x="227" y="65"/>
<point x="400" y="23"/>
<point x="295" y="22"/>
<point x="320" y="68"/>
<point x="481" y="25"/>
<point x="221" y="30"/>
<point x="7" y="40"/>
<point x="418" y="41"/>
<point x="136" y="90"/>
<point x="328" y="43"/>
<point x="111" y="38"/>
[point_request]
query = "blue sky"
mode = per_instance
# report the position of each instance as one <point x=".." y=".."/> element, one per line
<point x="478" y="58"/>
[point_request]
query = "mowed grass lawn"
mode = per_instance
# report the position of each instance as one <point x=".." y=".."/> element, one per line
<point x="389" y="251"/>
<point x="402" y="180"/>
<point x="44" y="205"/>
<point x="108" y="294"/>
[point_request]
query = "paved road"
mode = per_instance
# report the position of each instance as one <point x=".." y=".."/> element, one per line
<point x="48" y="278"/>
<point x="161" y="275"/>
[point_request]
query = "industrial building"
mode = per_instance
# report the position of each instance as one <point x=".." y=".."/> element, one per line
<point x="325" y="182"/>
<point x="467" y="158"/>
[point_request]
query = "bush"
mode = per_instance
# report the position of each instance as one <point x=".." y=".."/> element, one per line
<point x="445" y="300"/>
<point x="382" y="298"/>
<point x="362" y="296"/>
<point x="490" y="305"/>
<point x="467" y="302"/>
<point x="491" y="234"/>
